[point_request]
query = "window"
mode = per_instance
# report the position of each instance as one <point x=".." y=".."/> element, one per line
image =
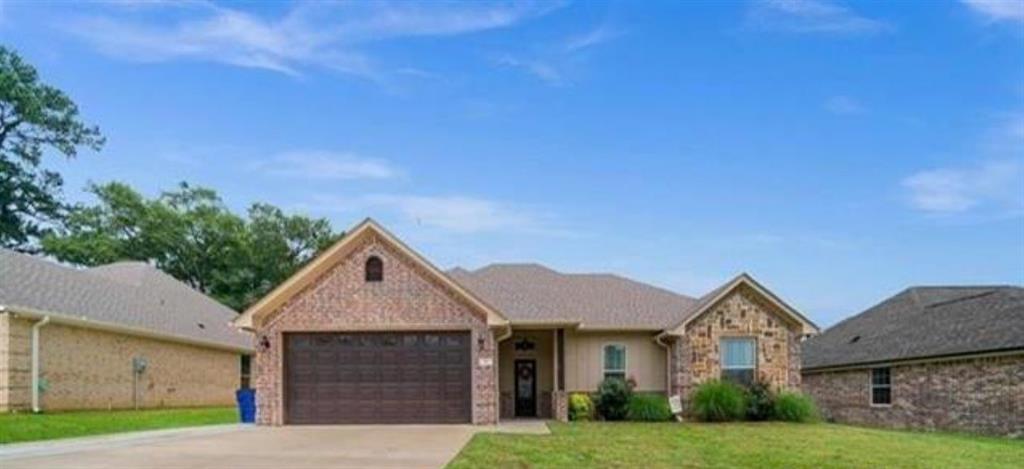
<point x="245" y="370"/>
<point x="615" y="361"/>
<point x="881" y="386"/>
<point x="739" y="357"/>
<point x="374" y="269"/>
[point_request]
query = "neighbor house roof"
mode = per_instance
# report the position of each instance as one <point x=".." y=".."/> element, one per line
<point x="131" y="295"/>
<point x="532" y="293"/>
<point x="924" y="322"/>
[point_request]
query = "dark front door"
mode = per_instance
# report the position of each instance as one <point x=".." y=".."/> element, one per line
<point x="408" y="377"/>
<point x="526" y="388"/>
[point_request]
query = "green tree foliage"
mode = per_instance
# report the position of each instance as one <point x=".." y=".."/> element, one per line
<point x="34" y="117"/>
<point x="190" y="234"/>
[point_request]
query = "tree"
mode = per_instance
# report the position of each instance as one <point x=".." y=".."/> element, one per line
<point x="34" y="117"/>
<point x="191" y="235"/>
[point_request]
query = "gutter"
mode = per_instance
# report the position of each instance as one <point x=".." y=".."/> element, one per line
<point x="84" y="322"/>
<point x="35" y="362"/>
<point x="668" y="362"/>
<point x="915" y="361"/>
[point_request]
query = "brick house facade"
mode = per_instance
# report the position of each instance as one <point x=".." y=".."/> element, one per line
<point x="341" y="300"/>
<point x="334" y="343"/>
<point x="928" y="358"/>
<point x="978" y="395"/>
<point x="117" y="336"/>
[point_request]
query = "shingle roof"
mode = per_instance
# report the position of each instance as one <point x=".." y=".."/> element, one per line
<point x="923" y="322"/>
<point x="126" y="293"/>
<point x="534" y="293"/>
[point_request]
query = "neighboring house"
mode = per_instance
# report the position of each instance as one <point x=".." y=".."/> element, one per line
<point x="371" y="332"/>
<point x="949" y="358"/>
<point x="122" y="335"/>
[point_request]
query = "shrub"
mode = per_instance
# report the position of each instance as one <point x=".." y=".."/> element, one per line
<point x="795" y="407"/>
<point x="719" y="401"/>
<point x="581" y="407"/>
<point x="613" y="398"/>
<point x="648" y="408"/>
<point x="760" y="401"/>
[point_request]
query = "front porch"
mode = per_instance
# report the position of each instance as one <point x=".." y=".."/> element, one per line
<point x="531" y="375"/>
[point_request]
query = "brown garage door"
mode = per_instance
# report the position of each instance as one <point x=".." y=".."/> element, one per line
<point x="421" y="377"/>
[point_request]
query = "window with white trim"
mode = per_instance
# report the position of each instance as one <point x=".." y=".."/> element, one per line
<point x="881" y="386"/>
<point x="615" y="361"/>
<point x="739" y="359"/>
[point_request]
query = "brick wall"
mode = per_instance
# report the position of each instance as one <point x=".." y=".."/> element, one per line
<point x="984" y="395"/>
<point x="743" y="313"/>
<point x="341" y="299"/>
<point x="92" y="369"/>
<point x="15" y="363"/>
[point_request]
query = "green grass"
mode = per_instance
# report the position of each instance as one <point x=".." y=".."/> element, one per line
<point x="48" y="426"/>
<point x="726" y="445"/>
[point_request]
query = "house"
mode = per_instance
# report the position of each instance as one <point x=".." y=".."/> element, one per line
<point x="123" y="335"/>
<point x="371" y="332"/>
<point x="949" y="358"/>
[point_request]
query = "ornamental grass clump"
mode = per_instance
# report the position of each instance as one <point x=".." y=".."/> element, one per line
<point x="795" y="407"/>
<point x="719" y="401"/>
<point x="648" y="408"/>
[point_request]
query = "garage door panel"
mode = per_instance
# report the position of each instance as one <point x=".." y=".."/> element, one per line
<point x="378" y="377"/>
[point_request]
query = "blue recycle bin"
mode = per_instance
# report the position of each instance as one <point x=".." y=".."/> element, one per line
<point x="246" y="399"/>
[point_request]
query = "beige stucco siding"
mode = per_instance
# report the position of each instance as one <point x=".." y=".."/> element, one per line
<point x="92" y="369"/>
<point x="584" y="359"/>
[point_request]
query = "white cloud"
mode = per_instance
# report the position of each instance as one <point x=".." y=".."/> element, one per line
<point x="844" y="105"/>
<point x="811" y="17"/>
<point x="594" y="37"/>
<point x="546" y="72"/>
<point x="553" y="63"/>
<point x="955" y="190"/>
<point x="307" y="35"/>
<point x="997" y="10"/>
<point x="326" y="165"/>
<point x="453" y="214"/>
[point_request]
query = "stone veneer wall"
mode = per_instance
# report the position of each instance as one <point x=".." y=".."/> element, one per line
<point x="92" y="369"/>
<point x="341" y="300"/>
<point x="560" y="406"/>
<point x="743" y="313"/>
<point x="982" y="395"/>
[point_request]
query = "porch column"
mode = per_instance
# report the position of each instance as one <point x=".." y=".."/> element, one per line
<point x="559" y="399"/>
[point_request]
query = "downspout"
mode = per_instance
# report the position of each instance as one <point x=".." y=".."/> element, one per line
<point x="668" y="362"/>
<point x="35" y="362"/>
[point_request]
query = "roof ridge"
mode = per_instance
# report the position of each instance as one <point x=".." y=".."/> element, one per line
<point x="962" y="298"/>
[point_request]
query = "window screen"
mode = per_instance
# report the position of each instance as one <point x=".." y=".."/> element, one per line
<point x="615" y="361"/>
<point x="739" y="359"/>
<point x="881" y="386"/>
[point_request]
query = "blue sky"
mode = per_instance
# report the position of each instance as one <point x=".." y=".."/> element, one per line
<point x="839" y="152"/>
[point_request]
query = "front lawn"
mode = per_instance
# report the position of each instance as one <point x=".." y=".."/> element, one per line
<point x="781" y="445"/>
<point x="30" y="427"/>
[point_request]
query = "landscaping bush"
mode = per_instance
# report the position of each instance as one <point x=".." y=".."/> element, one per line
<point x="581" y="407"/>
<point x="760" y="401"/>
<point x="719" y="401"/>
<point x="648" y="408"/>
<point x="613" y="399"/>
<point x="795" y="407"/>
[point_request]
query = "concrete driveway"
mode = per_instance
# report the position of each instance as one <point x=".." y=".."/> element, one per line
<point x="363" y="446"/>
